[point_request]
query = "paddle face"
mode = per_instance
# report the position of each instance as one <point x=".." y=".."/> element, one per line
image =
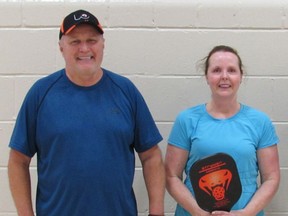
<point x="216" y="183"/>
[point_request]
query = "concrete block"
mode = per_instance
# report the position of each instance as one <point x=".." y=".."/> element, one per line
<point x="240" y="14"/>
<point x="35" y="54"/>
<point x="281" y="129"/>
<point x="131" y="14"/>
<point x="7" y="96"/>
<point x="44" y="13"/>
<point x="151" y="52"/>
<point x="171" y="52"/>
<point x="180" y="15"/>
<point x="11" y="14"/>
<point x="5" y="134"/>
<point x="266" y="97"/>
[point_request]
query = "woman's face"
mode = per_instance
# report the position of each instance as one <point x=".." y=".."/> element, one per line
<point x="224" y="75"/>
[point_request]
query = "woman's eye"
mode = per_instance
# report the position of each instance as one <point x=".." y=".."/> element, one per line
<point x="216" y="70"/>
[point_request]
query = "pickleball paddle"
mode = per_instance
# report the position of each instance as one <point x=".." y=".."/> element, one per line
<point x="216" y="183"/>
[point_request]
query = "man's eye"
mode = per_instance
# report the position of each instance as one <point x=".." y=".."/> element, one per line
<point x="74" y="42"/>
<point x="92" y="41"/>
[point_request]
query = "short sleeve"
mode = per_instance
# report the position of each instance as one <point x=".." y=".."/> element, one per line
<point x="23" y="136"/>
<point x="179" y="135"/>
<point x="268" y="136"/>
<point x="147" y="134"/>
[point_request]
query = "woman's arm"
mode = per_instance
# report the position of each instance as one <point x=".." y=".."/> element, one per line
<point x="269" y="169"/>
<point x="175" y="162"/>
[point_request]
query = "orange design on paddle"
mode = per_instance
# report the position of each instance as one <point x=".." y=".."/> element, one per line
<point x="216" y="183"/>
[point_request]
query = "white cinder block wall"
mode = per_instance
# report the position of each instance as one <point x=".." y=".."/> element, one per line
<point x="156" y="43"/>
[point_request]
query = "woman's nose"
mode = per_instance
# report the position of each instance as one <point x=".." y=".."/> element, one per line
<point x="224" y="74"/>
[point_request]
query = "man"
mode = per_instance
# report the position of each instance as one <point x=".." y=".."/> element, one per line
<point x="84" y="122"/>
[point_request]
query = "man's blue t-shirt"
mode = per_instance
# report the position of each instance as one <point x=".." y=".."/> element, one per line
<point x="239" y="136"/>
<point x="85" y="139"/>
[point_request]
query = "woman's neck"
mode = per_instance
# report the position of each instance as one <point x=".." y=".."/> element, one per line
<point x="222" y="109"/>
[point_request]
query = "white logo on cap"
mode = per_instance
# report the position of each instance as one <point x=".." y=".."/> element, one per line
<point x="83" y="16"/>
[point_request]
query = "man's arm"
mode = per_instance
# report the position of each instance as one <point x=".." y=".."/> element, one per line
<point x="20" y="183"/>
<point x="154" y="176"/>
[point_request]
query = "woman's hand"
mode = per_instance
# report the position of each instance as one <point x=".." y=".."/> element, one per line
<point x="200" y="212"/>
<point x="231" y="213"/>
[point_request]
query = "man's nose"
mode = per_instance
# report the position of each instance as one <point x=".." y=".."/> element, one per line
<point x="84" y="47"/>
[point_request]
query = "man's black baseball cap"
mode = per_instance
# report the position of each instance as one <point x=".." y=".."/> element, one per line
<point x="79" y="17"/>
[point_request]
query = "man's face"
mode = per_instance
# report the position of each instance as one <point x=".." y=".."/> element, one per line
<point x="82" y="50"/>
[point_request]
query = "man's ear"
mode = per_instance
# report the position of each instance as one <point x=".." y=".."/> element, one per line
<point x="60" y="46"/>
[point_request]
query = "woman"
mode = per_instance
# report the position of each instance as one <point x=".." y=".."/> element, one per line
<point x="224" y="125"/>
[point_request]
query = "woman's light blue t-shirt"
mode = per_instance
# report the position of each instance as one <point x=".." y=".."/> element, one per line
<point x="239" y="136"/>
